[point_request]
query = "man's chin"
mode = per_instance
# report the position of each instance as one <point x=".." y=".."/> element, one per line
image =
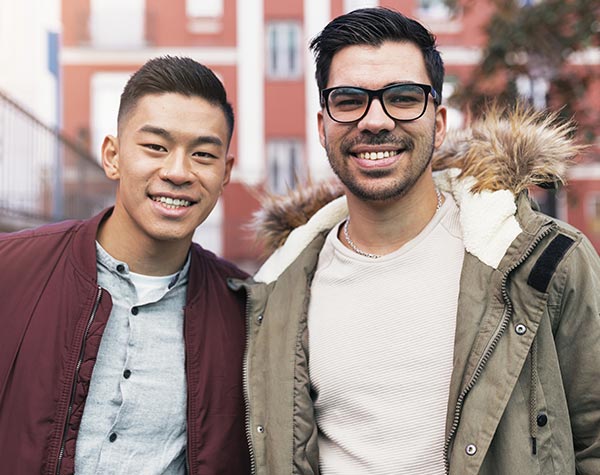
<point x="385" y="194"/>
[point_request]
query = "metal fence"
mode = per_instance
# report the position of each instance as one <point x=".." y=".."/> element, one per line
<point x="43" y="176"/>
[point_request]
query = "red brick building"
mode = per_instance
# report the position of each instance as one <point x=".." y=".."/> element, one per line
<point x="260" y="50"/>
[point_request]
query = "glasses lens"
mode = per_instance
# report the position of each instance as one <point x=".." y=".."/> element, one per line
<point x="347" y="104"/>
<point x="405" y="101"/>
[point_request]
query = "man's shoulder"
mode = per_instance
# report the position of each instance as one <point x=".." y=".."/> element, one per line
<point x="217" y="264"/>
<point x="50" y="229"/>
<point x="30" y="257"/>
<point x="574" y="240"/>
<point x="52" y="234"/>
<point x="45" y="231"/>
<point x="529" y="214"/>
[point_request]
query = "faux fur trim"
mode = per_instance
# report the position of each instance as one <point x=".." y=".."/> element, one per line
<point x="280" y="214"/>
<point x="323" y="220"/>
<point x="510" y="149"/>
<point x="484" y="167"/>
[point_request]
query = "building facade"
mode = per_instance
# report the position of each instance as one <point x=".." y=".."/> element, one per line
<point x="259" y="48"/>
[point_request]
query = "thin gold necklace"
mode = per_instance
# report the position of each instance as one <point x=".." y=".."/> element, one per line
<point x="356" y="249"/>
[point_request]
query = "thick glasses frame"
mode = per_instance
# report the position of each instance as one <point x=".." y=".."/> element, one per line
<point x="378" y="93"/>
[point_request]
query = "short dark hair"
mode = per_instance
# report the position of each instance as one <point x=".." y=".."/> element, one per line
<point x="373" y="26"/>
<point x="180" y="75"/>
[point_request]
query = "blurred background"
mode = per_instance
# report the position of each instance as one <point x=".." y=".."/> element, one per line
<point x="63" y="65"/>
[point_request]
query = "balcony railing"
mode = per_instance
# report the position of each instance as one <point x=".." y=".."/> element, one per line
<point x="43" y="176"/>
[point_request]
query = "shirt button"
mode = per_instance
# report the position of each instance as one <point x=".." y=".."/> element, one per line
<point x="126" y="374"/>
<point x="121" y="268"/>
<point x="542" y="420"/>
<point x="135" y="310"/>
<point x="520" y="329"/>
<point x="260" y="429"/>
<point x="471" y="449"/>
<point x="112" y="437"/>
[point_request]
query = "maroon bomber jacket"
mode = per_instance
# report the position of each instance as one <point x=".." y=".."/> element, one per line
<point x="52" y="315"/>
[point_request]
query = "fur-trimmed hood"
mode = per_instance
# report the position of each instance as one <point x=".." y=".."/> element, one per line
<point x="484" y="167"/>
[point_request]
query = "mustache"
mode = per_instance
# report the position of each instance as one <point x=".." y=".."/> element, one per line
<point x="382" y="138"/>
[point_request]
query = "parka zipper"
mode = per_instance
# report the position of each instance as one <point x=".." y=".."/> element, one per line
<point x="491" y="345"/>
<point x="246" y="384"/>
<point x="75" y="376"/>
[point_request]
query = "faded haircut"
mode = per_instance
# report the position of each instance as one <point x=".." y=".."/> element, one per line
<point x="179" y="75"/>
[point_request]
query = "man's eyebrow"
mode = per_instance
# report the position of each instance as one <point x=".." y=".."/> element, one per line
<point x="207" y="139"/>
<point x="151" y="129"/>
<point x="200" y="140"/>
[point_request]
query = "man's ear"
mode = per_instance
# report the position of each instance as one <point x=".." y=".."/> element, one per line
<point x="321" y="127"/>
<point x="110" y="157"/>
<point x="229" y="161"/>
<point x="440" y="125"/>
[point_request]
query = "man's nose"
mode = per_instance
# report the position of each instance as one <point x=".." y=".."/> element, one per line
<point x="376" y="119"/>
<point x="176" y="168"/>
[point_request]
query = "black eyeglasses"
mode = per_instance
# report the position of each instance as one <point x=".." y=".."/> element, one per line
<point x="403" y="102"/>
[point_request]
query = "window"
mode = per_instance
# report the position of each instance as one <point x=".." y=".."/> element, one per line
<point x="593" y="209"/>
<point x="285" y="167"/>
<point x="350" y="5"/>
<point x="106" y="91"/>
<point x="117" y="24"/>
<point x="592" y="213"/>
<point x="528" y="3"/>
<point x="284" y="60"/>
<point x="455" y="118"/>
<point x="535" y="90"/>
<point x="204" y="8"/>
<point x="210" y="232"/>
<point x="435" y="10"/>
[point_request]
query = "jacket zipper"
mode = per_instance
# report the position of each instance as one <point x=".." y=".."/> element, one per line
<point x="246" y="384"/>
<point x="491" y="345"/>
<point x="75" y="376"/>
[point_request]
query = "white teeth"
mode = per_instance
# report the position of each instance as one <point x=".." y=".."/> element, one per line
<point x="377" y="155"/>
<point x="172" y="203"/>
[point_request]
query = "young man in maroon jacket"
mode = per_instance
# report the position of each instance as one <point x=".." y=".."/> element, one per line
<point x="120" y="343"/>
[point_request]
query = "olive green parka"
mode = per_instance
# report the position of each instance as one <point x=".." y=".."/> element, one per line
<point x="525" y="388"/>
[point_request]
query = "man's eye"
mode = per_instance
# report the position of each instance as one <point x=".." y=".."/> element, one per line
<point x="348" y="101"/>
<point x="204" y="155"/>
<point x="155" y="147"/>
<point x="404" y="98"/>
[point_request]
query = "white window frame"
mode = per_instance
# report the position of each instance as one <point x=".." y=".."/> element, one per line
<point x="210" y="233"/>
<point x="284" y="39"/>
<point x="118" y="24"/>
<point x="350" y="5"/>
<point x="204" y="8"/>
<point x="285" y="164"/>
<point x="528" y="3"/>
<point x="435" y="10"/>
<point x="593" y="206"/>
<point x="455" y="117"/>
<point x="105" y="96"/>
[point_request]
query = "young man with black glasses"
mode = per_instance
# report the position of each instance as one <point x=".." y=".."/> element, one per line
<point x="422" y="323"/>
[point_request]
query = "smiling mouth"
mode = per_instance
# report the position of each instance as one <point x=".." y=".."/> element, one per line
<point x="172" y="203"/>
<point x="377" y="155"/>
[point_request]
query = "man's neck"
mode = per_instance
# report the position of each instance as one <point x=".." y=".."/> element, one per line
<point x="148" y="257"/>
<point x="382" y="227"/>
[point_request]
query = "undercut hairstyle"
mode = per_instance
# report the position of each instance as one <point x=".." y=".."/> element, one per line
<point x="372" y="27"/>
<point x="179" y="75"/>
